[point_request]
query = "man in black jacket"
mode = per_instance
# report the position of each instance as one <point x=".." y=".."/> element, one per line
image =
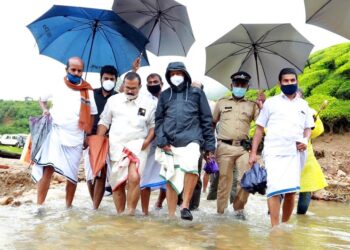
<point x="183" y="126"/>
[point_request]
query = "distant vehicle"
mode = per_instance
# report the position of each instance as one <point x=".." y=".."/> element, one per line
<point x="13" y="140"/>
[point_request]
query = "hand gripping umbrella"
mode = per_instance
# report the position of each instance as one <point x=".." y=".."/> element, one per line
<point x="254" y="180"/>
<point x="333" y="15"/>
<point x="262" y="50"/>
<point x="164" y="22"/>
<point x="99" y="37"/>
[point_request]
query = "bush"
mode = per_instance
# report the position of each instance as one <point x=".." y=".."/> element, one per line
<point x="252" y="94"/>
<point x="14" y="116"/>
<point x="273" y="91"/>
<point x="315" y="101"/>
<point x="337" y="116"/>
<point x="329" y="87"/>
<point x="343" y="91"/>
<point x="341" y="60"/>
<point x="344" y="70"/>
<point x="310" y="80"/>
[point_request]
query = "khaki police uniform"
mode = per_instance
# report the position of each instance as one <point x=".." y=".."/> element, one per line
<point x="233" y="117"/>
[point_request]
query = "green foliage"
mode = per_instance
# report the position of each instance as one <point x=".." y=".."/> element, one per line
<point x="341" y="60"/>
<point x="309" y="80"/>
<point x="344" y="70"/>
<point x="328" y="78"/>
<point x="343" y="91"/>
<point x="329" y="87"/>
<point x="251" y="94"/>
<point x="14" y="116"/>
<point x="315" y="101"/>
<point x="337" y="115"/>
<point x="273" y="91"/>
<point x="11" y="149"/>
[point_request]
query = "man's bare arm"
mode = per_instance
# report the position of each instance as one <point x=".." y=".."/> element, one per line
<point x="149" y="138"/>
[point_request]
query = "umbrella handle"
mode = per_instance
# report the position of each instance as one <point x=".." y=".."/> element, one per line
<point x="136" y="64"/>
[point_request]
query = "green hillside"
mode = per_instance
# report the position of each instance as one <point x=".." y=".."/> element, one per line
<point x="14" y="116"/>
<point x="326" y="78"/>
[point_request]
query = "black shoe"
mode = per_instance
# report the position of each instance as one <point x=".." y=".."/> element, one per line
<point x="108" y="191"/>
<point x="186" y="214"/>
<point x="240" y="214"/>
<point x="211" y="195"/>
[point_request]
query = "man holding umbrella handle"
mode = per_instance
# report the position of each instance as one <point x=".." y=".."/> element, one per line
<point x="288" y="122"/>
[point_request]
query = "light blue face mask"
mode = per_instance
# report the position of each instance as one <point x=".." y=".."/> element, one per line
<point x="239" y="92"/>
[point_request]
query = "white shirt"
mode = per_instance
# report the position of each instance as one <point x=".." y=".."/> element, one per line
<point x="127" y="120"/>
<point x="65" y="113"/>
<point x="285" y="121"/>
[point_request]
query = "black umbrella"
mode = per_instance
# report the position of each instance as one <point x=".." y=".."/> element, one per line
<point x="262" y="50"/>
<point x="333" y="15"/>
<point x="164" y="22"/>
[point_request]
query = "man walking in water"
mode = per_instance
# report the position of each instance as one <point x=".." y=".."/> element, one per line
<point x="183" y="126"/>
<point x="288" y="122"/>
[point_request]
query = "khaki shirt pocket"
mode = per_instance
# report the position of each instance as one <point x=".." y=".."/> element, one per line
<point x="226" y="113"/>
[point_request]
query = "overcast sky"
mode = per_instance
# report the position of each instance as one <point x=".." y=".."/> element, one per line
<point x="26" y="73"/>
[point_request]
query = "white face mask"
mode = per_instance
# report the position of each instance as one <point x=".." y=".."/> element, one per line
<point x="130" y="97"/>
<point x="176" y="80"/>
<point x="108" y="85"/>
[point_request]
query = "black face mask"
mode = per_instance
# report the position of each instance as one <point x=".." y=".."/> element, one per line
<point x="154" y="89"/>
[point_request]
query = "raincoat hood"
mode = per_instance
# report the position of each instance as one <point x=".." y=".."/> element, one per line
<point x="177" y="66"/>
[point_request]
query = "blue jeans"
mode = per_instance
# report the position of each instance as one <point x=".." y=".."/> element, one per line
<point x="303" y="202"/>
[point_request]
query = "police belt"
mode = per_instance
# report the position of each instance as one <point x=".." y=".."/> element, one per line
<point x="231" y="142"/>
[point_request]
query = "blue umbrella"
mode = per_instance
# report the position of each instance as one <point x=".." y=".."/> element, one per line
<point x="99" y="37"/>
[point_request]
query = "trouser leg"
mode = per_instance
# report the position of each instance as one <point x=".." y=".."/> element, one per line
<point x="213" y="187"/>
<point x="242" y="196"/>
<point x="303" y="202"/>
<point x="196" y="196"/>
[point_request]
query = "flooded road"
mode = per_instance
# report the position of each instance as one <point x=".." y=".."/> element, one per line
<point x="326" y="226"/>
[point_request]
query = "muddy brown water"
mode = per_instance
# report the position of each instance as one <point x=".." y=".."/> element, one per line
<point x="326" y="226"/>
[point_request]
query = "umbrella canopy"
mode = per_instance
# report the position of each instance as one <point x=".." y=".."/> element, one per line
<point x="98" y="150"/>
<point x="333" y="15"/>
<point x="40" y="128"/>
<point x="254" y="180"/>
<point x="164" y="22"/>
<point x="99" y="37"/>
<point x="262" y="50"/>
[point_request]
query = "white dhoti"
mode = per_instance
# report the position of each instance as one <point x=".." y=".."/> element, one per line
<point x="87" y="166"/>
<point x="126" y="154"/>
<point x="176" y="163"/>
<point x="150" y="177"/>
<point x="283" y="173"/>
<point x="64" y="159"/>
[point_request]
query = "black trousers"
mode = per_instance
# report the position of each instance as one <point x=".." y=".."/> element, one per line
<point x="196" y="196"/>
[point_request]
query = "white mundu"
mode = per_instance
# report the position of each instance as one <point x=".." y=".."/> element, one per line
<point x="285" y="121"/>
